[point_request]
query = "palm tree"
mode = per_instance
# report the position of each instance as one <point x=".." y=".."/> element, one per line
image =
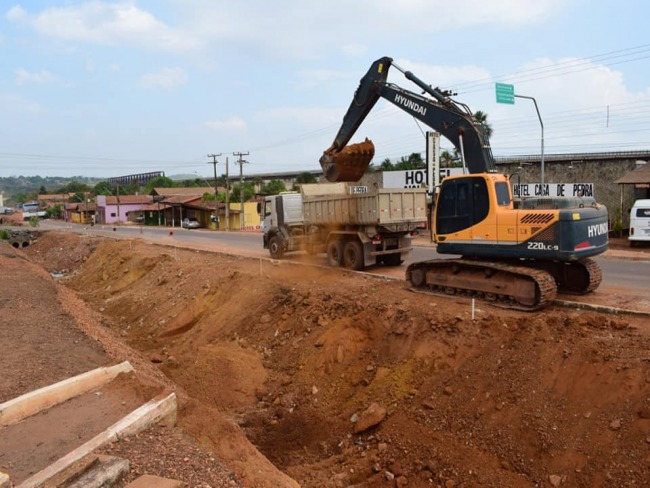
<point x="481" y="119"/>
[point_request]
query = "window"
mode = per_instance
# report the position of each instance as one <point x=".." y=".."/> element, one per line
<point x="503" y="195"/>
<point x="643" y="212"/>
<point x="462" y="204"/>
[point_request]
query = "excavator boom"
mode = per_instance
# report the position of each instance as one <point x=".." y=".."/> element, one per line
<point x="453" y="120"/>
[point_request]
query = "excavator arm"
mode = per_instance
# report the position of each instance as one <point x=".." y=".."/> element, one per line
<point x="452" y="120"/>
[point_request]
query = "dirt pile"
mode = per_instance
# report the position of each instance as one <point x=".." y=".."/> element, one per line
<point x="299" y="358"/>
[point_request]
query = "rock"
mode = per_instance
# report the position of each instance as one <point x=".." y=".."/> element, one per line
<point x="555" y="480"/>
<point x="401" y="481"/>
<point x="389" y="476"/>
<point x="266" y="318"/>
<point x="371" y="416"/>
<point x="615" y="424"/>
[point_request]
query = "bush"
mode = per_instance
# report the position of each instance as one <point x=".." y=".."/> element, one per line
<point x="34" y="222"/>
<point x="4" y="235"/>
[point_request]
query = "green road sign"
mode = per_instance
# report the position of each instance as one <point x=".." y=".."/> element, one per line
<point x="505" y="93"/>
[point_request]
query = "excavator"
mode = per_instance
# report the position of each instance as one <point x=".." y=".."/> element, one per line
<point x="516" y="253"/>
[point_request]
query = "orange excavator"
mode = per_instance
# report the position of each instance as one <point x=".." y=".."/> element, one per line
<point x="517" y="253"/>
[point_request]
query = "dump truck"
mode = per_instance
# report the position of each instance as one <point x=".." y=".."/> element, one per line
<point x="354" y="225"/>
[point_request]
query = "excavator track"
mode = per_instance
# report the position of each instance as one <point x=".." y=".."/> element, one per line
<point x="348" y="164"/>
<point x="574" y="278"/>
<point x="581" y="278"/>
<point x="506" y="285"/>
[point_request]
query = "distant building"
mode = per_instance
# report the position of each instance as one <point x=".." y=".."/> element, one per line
<point x="112" y="209"/>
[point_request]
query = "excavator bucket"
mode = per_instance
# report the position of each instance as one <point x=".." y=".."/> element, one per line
<point x="348" y="164"/>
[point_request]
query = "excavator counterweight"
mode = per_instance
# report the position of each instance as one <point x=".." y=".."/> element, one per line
<point x="348" y="164"/>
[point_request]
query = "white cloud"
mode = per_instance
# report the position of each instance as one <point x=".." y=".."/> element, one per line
<point x="166" y="78"/>
<point x="110" y="24"/>
<point x="231" y="124"/>
<point x="24" y="77"/>
<point x="16" y="14"/>
<point x="289" y="29"/>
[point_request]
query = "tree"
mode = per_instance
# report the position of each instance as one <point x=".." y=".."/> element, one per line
<point x="159" y="182"/>
<point x="413" y="161"/>
<point x="102" y="188"/>
<point x="248" y="192"/>
<point x="73" y="187"/>
<point x="481" y="118"/>
<point x="274" y="187"/>
<point x="55" y="211"/>
<point x="386" y="165"/>
<point x="450" y="160"/>
<point x="305" y="177"/>
<point x="42" y="190"/>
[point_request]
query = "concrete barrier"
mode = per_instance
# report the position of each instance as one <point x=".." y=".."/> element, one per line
<point x="17" y="409"/>
<point x="161" y="408"/>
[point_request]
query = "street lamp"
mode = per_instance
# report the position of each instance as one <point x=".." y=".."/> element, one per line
<point x="542" y="125"/>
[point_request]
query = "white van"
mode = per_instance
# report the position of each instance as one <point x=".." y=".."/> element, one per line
<point x="640" y="222"/>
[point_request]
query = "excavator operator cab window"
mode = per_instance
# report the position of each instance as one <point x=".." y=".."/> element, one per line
<point x="462" y="204"/>
<point x="503" y="195"/>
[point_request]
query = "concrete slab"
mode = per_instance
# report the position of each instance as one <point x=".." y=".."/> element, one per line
<point x="161" y="409"/>
<point x="17" y="409"/>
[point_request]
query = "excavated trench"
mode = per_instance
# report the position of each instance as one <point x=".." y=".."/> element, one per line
<point x="340" y="379"/>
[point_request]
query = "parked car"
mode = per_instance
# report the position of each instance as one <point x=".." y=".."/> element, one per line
<point x="640" y="222"/>
<point x="190" y="223"/>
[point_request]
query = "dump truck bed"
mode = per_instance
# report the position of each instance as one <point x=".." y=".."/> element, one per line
<point x="379" y="207"/>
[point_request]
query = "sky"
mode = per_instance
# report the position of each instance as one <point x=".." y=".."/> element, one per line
<point x="103" y="88"/>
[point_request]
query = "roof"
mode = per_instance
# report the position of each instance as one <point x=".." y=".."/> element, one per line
<point x="81" y="207"/>
<point x="196" y="190"/>
<point x="178" y="199"/>
<point x="54" y="196"/>
<point x="639" y="175"/>
<point x="129" y="199"/>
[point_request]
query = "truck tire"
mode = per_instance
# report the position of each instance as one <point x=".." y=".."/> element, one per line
<point x="334" y="253"/>
<point x="276" y="248"/>
<point x="353" y="255"/>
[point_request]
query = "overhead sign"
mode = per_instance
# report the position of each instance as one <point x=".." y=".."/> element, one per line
<point x="414" y="178"/>
<point x="505" y="93"/>
<point x="553" y="190"/>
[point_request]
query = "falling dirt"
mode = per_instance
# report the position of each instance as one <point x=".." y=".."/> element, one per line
<point x="341" y="379"/>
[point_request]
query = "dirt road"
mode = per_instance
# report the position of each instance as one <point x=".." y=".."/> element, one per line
<point x="343" y="380"/>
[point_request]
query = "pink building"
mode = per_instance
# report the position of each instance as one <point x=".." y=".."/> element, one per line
<point x="112" y="209"/>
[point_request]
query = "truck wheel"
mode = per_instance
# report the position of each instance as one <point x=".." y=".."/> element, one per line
<point x="275" y="247"/>
<point x="353" y="255"/>
<point x="334" y="253"/>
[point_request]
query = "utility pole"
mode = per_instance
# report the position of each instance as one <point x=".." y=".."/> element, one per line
<point x="216" y="192"/>
<point x="227" y="197"/>
<point x="241" y="162"/>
